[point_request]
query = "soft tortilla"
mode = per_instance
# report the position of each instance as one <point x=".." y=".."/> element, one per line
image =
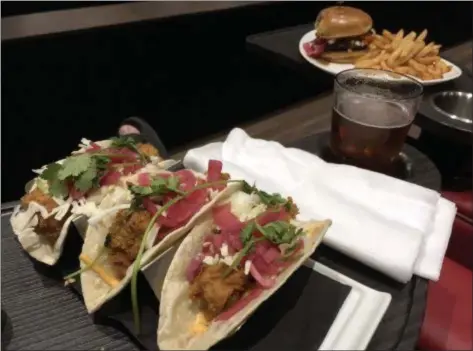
<point x="177" y="313"/>
<point x="95" y="290"/>
<point x="23" y="220"/>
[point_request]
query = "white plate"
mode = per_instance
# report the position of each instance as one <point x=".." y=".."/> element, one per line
<point x="334" y="68"/>
<point x="360" y="315"/>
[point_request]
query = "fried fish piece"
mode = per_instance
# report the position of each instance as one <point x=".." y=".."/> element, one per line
<point x="215" y="290"/>
<point x="125" y="236"/>
<point x="50" y="227"/>
<point x="148" y="149"/>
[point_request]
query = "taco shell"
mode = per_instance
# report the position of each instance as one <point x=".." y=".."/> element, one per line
<point x="98" y="282"/>
<point x="181" y="325"/>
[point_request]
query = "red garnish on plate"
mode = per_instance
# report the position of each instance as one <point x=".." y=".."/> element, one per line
<point x="314" y="48"/>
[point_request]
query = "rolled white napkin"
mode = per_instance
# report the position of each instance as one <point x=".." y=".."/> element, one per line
<point x="393" y="226"/>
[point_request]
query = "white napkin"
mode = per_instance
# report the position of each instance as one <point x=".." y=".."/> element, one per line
<point x="393" y="226"/>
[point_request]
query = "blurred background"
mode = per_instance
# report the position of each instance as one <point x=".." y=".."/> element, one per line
<point x="76" y="69"/>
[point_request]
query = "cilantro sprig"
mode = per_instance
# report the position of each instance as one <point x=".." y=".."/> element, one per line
<point x="128" y="142"/>
<point x="270" y="200"/>
<point x="159" y="186"/>
<point x="144" y="240"/>
<point x="278" y="232"/>
<point x="83" y="170"/>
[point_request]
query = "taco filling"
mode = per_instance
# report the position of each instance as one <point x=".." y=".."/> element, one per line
<point x="182" y="198"/>
<point x="251" y="242"/>
<point x="47" y="227"/>
<point x="69" y="187"/>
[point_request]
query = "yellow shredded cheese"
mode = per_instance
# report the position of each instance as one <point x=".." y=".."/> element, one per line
<point x="112" y="281"/>
<point x="200" y="324"/>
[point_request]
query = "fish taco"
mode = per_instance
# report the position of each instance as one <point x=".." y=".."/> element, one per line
<point x="234" y="259"/>
<point x="121" y="240"/>
<point x="72" y="188"/>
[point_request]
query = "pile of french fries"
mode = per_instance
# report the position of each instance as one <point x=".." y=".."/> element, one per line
<point x="406" y="54"/>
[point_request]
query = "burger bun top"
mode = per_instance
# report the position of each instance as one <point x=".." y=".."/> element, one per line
<point x="341" y="22"/>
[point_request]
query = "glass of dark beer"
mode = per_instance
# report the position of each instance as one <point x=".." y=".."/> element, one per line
<point x="372" y="113"/>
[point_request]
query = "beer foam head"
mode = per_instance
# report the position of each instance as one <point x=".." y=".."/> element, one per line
<point x="379" y="84"/>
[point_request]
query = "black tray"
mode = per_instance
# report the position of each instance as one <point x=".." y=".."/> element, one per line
<point x="43" y="314"/>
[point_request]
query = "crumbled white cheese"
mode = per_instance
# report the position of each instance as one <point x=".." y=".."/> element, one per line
<point x="83" y="146"/>
<point x="82" y="207"/>
<point x="60" y="211"/>
<point x="224" y="250"/>
<point x="84" y="143"/>
<point x="228" y="260"/>
<point x="246" y="206"/>
<point x="209" y="260"/>
<point x="247" y="267"/>
<point x="255" y="211"/>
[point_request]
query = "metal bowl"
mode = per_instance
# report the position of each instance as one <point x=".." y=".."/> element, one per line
<point x="454" y="104"/>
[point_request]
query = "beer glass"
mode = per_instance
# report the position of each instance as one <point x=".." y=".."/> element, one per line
<point x="372" y="113"/>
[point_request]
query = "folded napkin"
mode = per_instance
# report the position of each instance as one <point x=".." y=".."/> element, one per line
<point x="391" y="225"/>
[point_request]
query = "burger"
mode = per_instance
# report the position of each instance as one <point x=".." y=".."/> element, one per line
<point x="343" y="34"/>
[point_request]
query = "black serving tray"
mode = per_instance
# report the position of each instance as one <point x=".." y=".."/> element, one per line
<point x="42" y="313"/>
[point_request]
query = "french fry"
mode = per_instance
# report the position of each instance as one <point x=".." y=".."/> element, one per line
<point x="384" y="65"/>
<point x="394" y="56"/>
<point x="412" y="53"/>
<point x="426" y="50"/>
<point x="369" y="55"/>
<point x="418" y="48"/>
<point x="427" y="60"/>
<point x="434" y="70"/>
<point x="397" y="39"/>
<point x="407" y="47"/>
<point x="418" y="67"/>
<point x="388" y="35"/>
<point x="379" y="44"/>
<point x="405" y="54"/>
<point x="402" y="69"/>
<point x="443" y="67"/>
<point x="368" y="63"/>
<point x="422" y="36"/>
<point x="410" y="36"/>
<point x="405" y="70"/>
<point x="382" y="39"/>
<point x="426" y="76"/>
